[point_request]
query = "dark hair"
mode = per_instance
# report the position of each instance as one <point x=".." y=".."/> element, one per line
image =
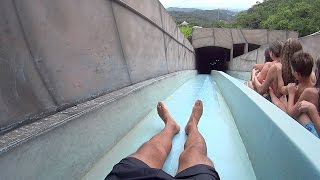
<point x="276" y="48"/>
<point x="267" y="57"/>
<point x="317" y="72"/>
<point x="289" y="48"/>
<point x="302" y="62"/>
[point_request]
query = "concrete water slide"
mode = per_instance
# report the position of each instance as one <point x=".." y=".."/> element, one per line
<point x="80" y="81"/>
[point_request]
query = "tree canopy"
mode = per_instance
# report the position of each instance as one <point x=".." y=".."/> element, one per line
<point x="302" y="16"/>
<point x="295" y="15"/>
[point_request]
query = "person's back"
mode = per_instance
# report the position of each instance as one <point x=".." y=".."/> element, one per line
<point x="301" y="65"/>
<point x="273" y="52"/>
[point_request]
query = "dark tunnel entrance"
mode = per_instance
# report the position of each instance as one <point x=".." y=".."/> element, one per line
<point x="238" y="49"/>
<point x="212" y="58"/>
<point x="252" y="47"/>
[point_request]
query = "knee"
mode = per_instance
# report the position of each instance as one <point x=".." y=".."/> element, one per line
<point x="153" y="148"/>
<point x="194" y="150"/>
<point x="195" y="155"/>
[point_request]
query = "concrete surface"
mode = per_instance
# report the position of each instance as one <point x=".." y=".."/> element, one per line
<point x="277" y="145"/>
<point x="55" y="54"/>
<point x="311" y="45"/>
<point x="245" y="62"/>
<point x="277" y="36"/>
<point x="67" y="144"/>
<point x="256" y="36"/>
<point x="148" y="8"/>
<point x="76" y="47"/>
<point x="244" y="75"/>
<point x="140" y="48"/>
<point x="23" y="95"/>
<point x="224" y="37"/>
<point x="237" y="36"/>
<point x="168" y="24"/>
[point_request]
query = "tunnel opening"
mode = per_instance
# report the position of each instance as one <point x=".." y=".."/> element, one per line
<point x="252" y="47"/>
<point x="238" y="49"/>
<point x="212" y="58"/>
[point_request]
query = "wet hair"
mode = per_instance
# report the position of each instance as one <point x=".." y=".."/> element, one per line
<point x="291" y="46"/>
<point x="317" y="72"/>
<point x="267" y="57"/>
<point x="276" y="48"/>
<point x="302" y="63"/>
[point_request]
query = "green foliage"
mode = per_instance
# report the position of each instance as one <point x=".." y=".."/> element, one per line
<point x="295" y="15"/>
<point x="203" y="18"/>
<point x="186" y="30"/>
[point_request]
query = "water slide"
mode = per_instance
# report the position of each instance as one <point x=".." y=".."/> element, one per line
<point x="247" y="137"/>
<point x="217" y="125"/>
<point x="80" y="82"/>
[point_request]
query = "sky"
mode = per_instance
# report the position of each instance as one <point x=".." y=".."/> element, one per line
<point x="209" y="4"/>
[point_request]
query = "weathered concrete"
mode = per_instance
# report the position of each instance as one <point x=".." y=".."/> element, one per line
<point x="76" y="47"/>
<point x="148" y="8"/>
<point x="237" y="36"/>
<point x="203" y="42"/>
<point x="277" y="36"/>
<point x="56" y="54"/>
<point x="143" y="45"/>
<point x="244" y="63"/>
<point x="226" y="38"/>
<point x="171" y="53"/>
<point x="22" y="92"/>
<point x="223" y="38"/>
<point x="67" y="144"/>
<point x="168" y="23"/>
<point x="255" y="36"/>
<point x="244" y="75"/>
<point x="311" y="45"/>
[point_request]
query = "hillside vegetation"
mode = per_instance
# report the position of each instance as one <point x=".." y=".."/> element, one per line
<point x="203" y="18"/>
<point x="302" y="16"/>
<point x="296" y="15"/>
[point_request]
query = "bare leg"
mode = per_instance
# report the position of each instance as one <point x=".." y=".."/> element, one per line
<point x="155" y="151"/>
<point x="304" y="119"/>
<point x="195" y="149"/>
<point x="276" y="101"/>
<point x="249" y="84"/>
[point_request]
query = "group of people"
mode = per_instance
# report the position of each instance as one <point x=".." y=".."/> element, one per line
<point x="288" y="80"/>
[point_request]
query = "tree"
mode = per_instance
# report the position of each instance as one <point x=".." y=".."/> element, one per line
<point x="295" y="15"/>
<point x="187" y="31"/>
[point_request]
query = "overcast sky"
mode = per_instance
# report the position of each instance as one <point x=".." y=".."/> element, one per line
<point x="209" y="4"/>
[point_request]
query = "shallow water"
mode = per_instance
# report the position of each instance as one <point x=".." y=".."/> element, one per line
<point x="217" y="126"/>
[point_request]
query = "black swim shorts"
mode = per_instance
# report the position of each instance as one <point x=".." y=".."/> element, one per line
<point x="132" y="168"/>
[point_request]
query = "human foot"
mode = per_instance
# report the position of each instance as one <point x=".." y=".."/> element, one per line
<point x="166" y="117"/>
<point x="195" y="115"/>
